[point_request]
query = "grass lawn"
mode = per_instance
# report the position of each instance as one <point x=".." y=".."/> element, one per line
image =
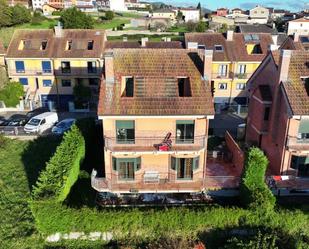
<point x="111" y="24"/>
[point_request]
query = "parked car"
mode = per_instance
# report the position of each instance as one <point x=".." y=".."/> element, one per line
<point x="63" y="126"/>
<point x="41" y="122"/>
<point x="37" y="111"/>
<point x="14" y="124"/>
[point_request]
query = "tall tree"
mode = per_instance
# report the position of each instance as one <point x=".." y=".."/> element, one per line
<point x="199" y="7"/>
<point x="73" y="18"/>
<point x="5" y="14"/>
<point x="20" y="14"/>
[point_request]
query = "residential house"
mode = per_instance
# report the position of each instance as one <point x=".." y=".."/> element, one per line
<point x="164" y="13"/>
<point x="256" y="28"/>
<point x="38" y="4"/>
<point x="50" y="63"/>
<point x="49" y="8"/>
<point x="222" y="12"/>
<point x="278" y="14"/>
<point x="235" y="57"/>
<point x="299" y="26"/>
<point x="114" y="5"/>
<point x="278" y="112"/>
<point x="236" y="11"/>
<point x="190" y="14"/>
<point x="259" y="14"/>
<point x="298" y="42"/>
<point x="155" y="107"/>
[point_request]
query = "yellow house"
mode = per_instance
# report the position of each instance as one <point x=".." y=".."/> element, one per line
<point x="234" y="58"/>
<point x="164" y="13"/>
<point x="155" y="109"/>
<point x="50" y="63"/>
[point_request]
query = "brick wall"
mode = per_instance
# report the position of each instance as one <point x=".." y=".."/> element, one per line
<point x="238" y="156"/>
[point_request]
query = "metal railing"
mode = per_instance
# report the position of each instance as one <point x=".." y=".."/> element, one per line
<point x="288" y="182"/>
<point x="148" y="143"/>
<point x="246" y="75"/>
<point x="30" y="72"/>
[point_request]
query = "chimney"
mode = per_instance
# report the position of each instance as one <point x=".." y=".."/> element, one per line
<point x="144" y="40"/>
<point x="192" y="45"/>
<point x="229" y="35"/>
<point x="109" y="67"/>
<point x="58" y="30"/>
<point x="284" y="63"/>
<point x="275" y="39"/>
<point x="296" y="37"/>
<point x="208" y="54"/>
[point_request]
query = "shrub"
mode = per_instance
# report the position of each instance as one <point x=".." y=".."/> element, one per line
<point x="56" y="13"/>
<point x="62" y="170"/>
<point x="20" y="14"/>
<point x="109" y="15"/>
<point x="11" y="93"/>
<point x="201" y="27"/>
<point x="73" y="18"/>
<point x="254" y="191"/>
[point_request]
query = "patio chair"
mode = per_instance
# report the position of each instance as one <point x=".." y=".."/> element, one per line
<point x="166" y="143"/>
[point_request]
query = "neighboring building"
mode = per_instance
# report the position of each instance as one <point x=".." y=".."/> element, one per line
<point x="259" y="14"/>
<point x="21" y="2"/>
<point x="114" y="5"/>
<point x="217" y="21"/>
<point x="256" y="28"/>
<point x="155" y="107"/>
<point x="48" y="9"/>
<point x="222" y="12"/>
<point x="49" y="64"/>
<point x="151" y="22"/>
<point x="299" y="26"/>
<point x="278" y="13"/>
<point x="164" y="13"/>
<point x="38" y="4"/>
<point x="137" y="5"/>
<point x="296" y="43"/>
<point x="278" y="112"/>
<point x="236" y="11"/>
<point x="190" y="14"/>
<point x="235" y="58"/>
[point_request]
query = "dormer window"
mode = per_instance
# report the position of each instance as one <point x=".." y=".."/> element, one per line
<point x="69" y="45"/>
<point x="43" y="45"/>
<point x="184" y="88"/>
<point x="127" y="87"/>
<point x="90" y="45"/>
<point x="24" y="44"/>
<point x="218" y="48"/>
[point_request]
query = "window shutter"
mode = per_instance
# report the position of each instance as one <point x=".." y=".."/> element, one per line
<point x="137" y="163"/>
<point x="173" y="163"/>
<point x="114" y="163"/>
<point x="196" y="162"/>
<point x="121" y="124"/>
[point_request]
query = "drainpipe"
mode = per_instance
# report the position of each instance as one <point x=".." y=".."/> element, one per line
<point x="206" y="151"/>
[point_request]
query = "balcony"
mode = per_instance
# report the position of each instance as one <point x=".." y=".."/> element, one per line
<point x="144" y="144"/>
<point x="246" y="75"/>
<point x="228" y="75"/>
<point x="300" y="144"/>
<point x="78" y="72"/>
<point x="30" y="72"/>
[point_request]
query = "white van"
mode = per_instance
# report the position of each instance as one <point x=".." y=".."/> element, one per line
<point x="41" y="122"/>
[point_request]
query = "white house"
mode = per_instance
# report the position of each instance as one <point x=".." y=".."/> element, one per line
<point x="164" y="13"/>
<point x="114" y="5"/>
<point x="259" y="14"/>
<point x="190" y="14"/>
<point x="299" y="26"/>
<point x="38" y="4"/>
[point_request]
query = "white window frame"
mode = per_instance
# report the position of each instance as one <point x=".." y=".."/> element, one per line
<point x="222" y="70"/>
<point x="222" y="84"/>
<point x="243" y="86"/>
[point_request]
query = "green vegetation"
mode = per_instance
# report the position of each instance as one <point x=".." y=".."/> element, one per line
<point x="109" y="15"/>
<point x="74" y="18"/>
<point x="62" y="170"/>
<point x="10" y="16"/>
<point x="255" y="193"/>
<point x="11" y="93"/>
<point x="111" y="24"/>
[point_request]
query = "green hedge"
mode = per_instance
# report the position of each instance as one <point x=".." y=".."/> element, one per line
<point x="11" y="93"/>
<point x="62" y="170"/>
<point x="254" y="191"/>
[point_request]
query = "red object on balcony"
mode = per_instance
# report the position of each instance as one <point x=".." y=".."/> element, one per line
<point x="164" y="148"/>
<point x="166" y="144"/>
<point x="277" y="178"/>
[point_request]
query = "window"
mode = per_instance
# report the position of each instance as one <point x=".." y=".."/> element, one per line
<point x="65" y="67"/>
<point x="242" y="69"/>
<point x="300" y="163"/>
<point x="90" y="45"/>
<point x="69" y="45"/>
<point x="20" y="66"/>
<point x="222" y="86"/>
<point x="126" y="167"/>
<point x="125" y="131"/>
<point x="184" y="89"/>
<point x="46" y="66"/>
<point x="240" y="86"/>
<point x="23" y="81"/>
<point x="43" y="121"/>
<point x="66" y="83"/>
<point x="257" y="49"/>
<point x="128" y="87"/>
<point x="93" y="81"/>
<point x="218" y="48"/>
<point x="92" y="68"/>
<point x="266" y="113"/>
<point x="43" y="44"/>
<point x="47" y="83"/>
<point x="185" y="131"/>
<point x="222" y="70"/>
<point x="184" y="166"/>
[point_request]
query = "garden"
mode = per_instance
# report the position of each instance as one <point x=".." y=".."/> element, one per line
<point x="45" y="189"/>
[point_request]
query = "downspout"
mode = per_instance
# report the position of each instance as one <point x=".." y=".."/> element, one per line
<point x="206" y="151"/>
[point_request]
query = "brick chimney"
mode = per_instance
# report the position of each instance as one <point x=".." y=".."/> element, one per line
<point x="109" y="67"/>
<point x="229" y="35"/>
<point x="296" y="37"/>
<point x="284" y="63"/>
<point x="58" y="30"/>
<point x="144" y="41"/>
<point x="208" y="55"/>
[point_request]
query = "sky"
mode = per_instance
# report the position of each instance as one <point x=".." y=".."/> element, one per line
<point x="293" y="5"/>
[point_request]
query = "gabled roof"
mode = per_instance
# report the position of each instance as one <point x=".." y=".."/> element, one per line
<point x="136" y="44"/>
<point x="256" y="28"/>
<point x="56" y="46"/>
<point x="155" y="73"/>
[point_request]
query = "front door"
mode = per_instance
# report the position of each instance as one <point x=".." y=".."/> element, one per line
<point x="126" y="171"/>
<point x="185" y="168"/>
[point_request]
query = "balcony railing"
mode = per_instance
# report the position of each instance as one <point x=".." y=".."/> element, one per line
<point x="30" y="72"/>
<point x="227" y="75"/>
<point x="246" y="75"/>
<point x="298" y="143"/>
<point x="78" y="71"/>
<point x="148" y="144"/>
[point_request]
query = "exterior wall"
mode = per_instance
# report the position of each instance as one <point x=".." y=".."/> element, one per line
<point x="191" y="15"/>
<point x="300" y="28"/>
<point x="117" y="5"/>
<point x="223" y="20"/>
<point x="170" y="15"/>
<point x="238" y="156"/>
<point x="259" y="12"/>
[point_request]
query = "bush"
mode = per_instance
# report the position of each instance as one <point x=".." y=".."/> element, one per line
<point x="11" y="94"/>
<point x="109" y="15"/>
<point x="73" y="18"/>
<point x="254" y="191"/>
<point x="62" y="170"/>
<point x="56" y="13"/>
<point x="201" y="27"/>
<point x="20" y="14"/>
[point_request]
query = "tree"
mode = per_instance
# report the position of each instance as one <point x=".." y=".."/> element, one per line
<point x="11" y="93"/>
<point x="5" y="14"/>
<point x="179" y="16"/>
<point x="201" y="27"/>
<point x="223" y="28"/>
<point x="20" y="14"/>
<point x="73" y="18"/>
<point x="109" y="15"/>
<point x="199" y="7"/>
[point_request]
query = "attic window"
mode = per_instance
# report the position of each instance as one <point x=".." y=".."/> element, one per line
<point x="218" y="48"/>
<point x="43" y="44"/>
<point x="251" y="38"/>
<point x="184" y="88"/>
<point x="68" y="45"/>
<point x="90" y="45"/>
<point x="24" y="44"/>
<point x="257" y="49"/>
<point x="127" y="87"/>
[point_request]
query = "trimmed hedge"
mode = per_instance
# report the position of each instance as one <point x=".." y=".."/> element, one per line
<point x="254" y="191"/>
<point x="62" y="170"/>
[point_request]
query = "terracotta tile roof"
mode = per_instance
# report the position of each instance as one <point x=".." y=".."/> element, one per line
<point x="256" y="28"/>
<point x="301" y="44"/>
<point x="56" y="46"/>
<point x="234" y="50"/>
<point x="295" y="88"/>
<point x="155" y="73"/>
<point x="301" y="20"/>
<point x="136" y="44"/>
